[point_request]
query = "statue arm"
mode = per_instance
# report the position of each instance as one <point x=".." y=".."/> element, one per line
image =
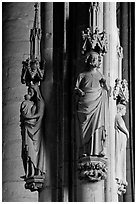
<point x="104" y="85"/>
<point x="78" y="91"/>
<point x="40" y="72"/>
<point x="23" y="74"/>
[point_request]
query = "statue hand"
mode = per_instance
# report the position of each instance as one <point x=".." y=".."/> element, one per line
<point x="79" y="92"/>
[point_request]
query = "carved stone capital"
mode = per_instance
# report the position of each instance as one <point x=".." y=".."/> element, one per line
<point x="34" y="183"/>
<point x="92" y="168"/>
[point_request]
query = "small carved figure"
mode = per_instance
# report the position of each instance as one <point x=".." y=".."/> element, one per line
<point x="120" y="92"/>
<point x="121" y="136"/>
<point x="92" y="90"/>
<point x="27" y="107"/>
<point x="31" y="72"/>
<point x="33" y="152"/>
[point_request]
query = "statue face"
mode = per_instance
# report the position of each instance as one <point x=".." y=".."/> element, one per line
<point x="27" y="97"/>
<point x="93" y="60"/>
<point x="99" y="61"/>
<point x="123" y="111"/>
<point x="30" y="92"/>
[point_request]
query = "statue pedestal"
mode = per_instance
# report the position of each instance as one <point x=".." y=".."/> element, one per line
<point x="92" y="171"/>
<point x="34" y="183"/>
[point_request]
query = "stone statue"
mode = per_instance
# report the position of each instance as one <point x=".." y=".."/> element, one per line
<point x="33" y="152"/>
<point x="121" y="136"/>
<point x="92" y="108"/>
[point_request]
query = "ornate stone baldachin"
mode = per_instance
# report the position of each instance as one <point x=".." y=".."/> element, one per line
<point x="96" y="41"/>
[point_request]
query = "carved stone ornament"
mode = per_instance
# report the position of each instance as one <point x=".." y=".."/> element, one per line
<point x="120" y="92"/>
<point x="34" y="183"/>
<point x="31" y="114"/>
<point x="96" y="41"/>
<point x="121" y="187"/>
<point x="95" y="5"/>
<point x="92" y="169"/>
<point x="33" y="68"/>
<point x="120" y="51"/>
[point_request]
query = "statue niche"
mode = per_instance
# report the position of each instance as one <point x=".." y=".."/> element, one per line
<point x="92" y="107"/>
<point x="31" y="114"/>
<point x="92" y="94"/>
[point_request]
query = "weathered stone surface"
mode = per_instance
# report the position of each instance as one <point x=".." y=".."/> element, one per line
<point x="90" y="192"/>
<point x="12" y="149"/>
<point x="11" y="95"/>
<point x="11" y="114"/>
<point x="10" y="133"/>
<point x="10" y="170"/>
<point x="15" y="192"/>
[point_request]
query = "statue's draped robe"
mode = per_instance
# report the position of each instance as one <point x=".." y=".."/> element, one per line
<point x="33" y="130"/>
<point x="120" y="150"/>
<point x="92" y="113"/>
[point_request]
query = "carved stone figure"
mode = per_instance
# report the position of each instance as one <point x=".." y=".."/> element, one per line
<point x="33" y="152"/>
<point x="120" y="92"/>
<point x="92" y="108"/>
<point x="121" y="136"/>
<point x="31" y="72"/>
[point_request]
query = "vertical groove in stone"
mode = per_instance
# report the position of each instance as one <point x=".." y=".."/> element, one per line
<point x="48" y="194"/>
<point x="127" y="39"/>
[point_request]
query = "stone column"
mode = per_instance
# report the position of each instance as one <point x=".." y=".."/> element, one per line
<point x="55" y="92"/>
<point x="127" y="26"/>
<point x="47" y="89"/>
<point x="111" y="72"/>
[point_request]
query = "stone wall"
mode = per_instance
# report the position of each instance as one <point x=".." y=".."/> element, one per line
<point x="17" y="22"/>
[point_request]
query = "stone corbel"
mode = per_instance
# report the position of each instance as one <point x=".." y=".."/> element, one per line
<point x="34" y="183"/>
<point x="92" y="169"/>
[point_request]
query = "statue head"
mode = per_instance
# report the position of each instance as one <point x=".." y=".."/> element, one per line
<point x="27" y="96"/>
<point x="92" y="59"/>
<point x="121" y="108"/>
<point x="34" y="64"/>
